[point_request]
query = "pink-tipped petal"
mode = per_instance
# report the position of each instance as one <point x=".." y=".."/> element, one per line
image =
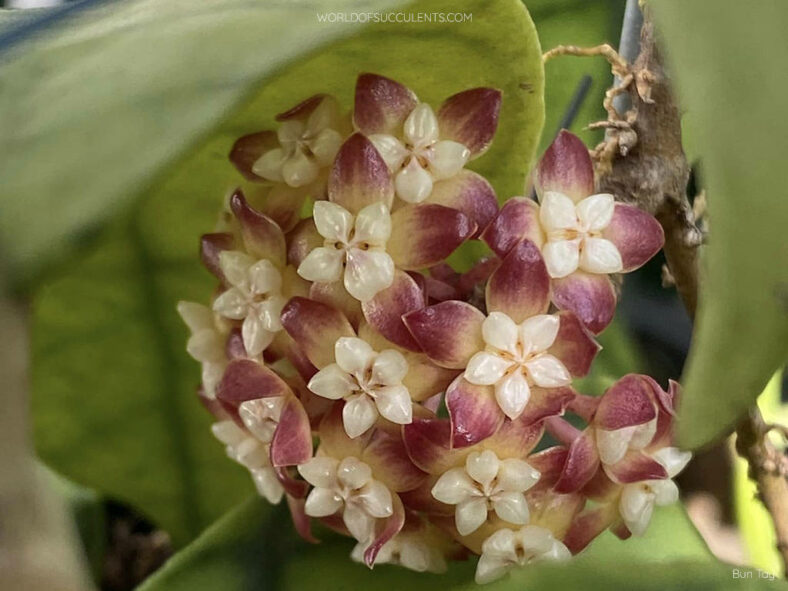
<point x="574" y="345"/>
<point x="474" y="412"/>
<point x="469" y="193"/>
<point x="471" y="118"/>
<point x="283" y="203"/>
<point x="387" y="455"/>
<point x="550" y="463"/>
<point x="303" y="109"/>
<point x="582" y="462"/>
<point x="428" y="443"/>
<point x="292" y="441"/>
<point x="566" y="168"/>
<point x="247" y="150"/>
<point x="211" y="246"/>
<point x="293" y="487"/>
<point x="546" y="402"/>
<point x="315" y="328"/>
<point x="591" y="297"/>
<point x="588" y="525"/>
<point x="262" y="237"/>
<point x="425" y="379"/>
<point x="636" y="466"/>
<point x="421" y="499"/>
<point x="423" y="235"/>
<point x="449" y="333"/>
<point x="628" y="402"/>
<point x="334" y="440"/>
<point x="302" y="240"/>
<point x="381" y="104"/>
<point x="301" y="521"/>
<point x="245" y="379"/>
<point x="384" y="312"/>
<point x="359" y="176"/>
<point x="621" y="531"/>
<point x="636" y="234"/>
<point x="515" y="439"/>
<point x="520" y="287"/>
<point x="336" y="296"/>
<point x="518" y="220"/>
<point x="385" y="530"/>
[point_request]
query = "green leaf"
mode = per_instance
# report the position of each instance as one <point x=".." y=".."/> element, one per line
<point x="114" y="404"/>
<point x="725" y="74"/>
<point x="236" y="555"/>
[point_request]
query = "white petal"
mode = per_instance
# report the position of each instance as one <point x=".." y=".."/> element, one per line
<point x="376" y="499"/>
<point x="482" y="467"/>
<point x="665" y="491"/>
<point x="413" y="184"/>
<point x="267" y="484"/>
<point x="389" y="368"/>
<point x="636" y="506"/>
<point x="270" y="312"/>
<point x="234" y="265"/>
<point x="358" y="415"/>
<point x="561" y="257"/>
<point x="517" y="475"/>
<point x="512" y="507"/>
<point x="391" y="149"/>
<point x="394" y="404"/>
<point x="358" y="522"/>
<point x="206" y="345"/>
<point x="353" y="355"/>
<point x="558" y="552"/>
<point x="299" y="169"/>
<point x="251" y="453"/>
<point x="228" y="432"/>
<point x="419" y="557"/>
<point x="501" y="545"/>
<point x="332" y="382"/>
<point x="673" y="459"/>
<point x="547" y="371"/>
<point x="323" y="265"/>
<point x="231" y="304"/>
<point x="613" y="445"/>
<point x="512" y="394"/>
<point x="485" y="369"/>
<point x="325" y="146"/>
<point x="322" y="502"/>
<point x="353" y="473"/>
<point x="264" y="278"/>
<point x="367" y="273"/>
<point x="269" y="165"/>
<point x="535" y="541"/>
<point x="500" y="331"/>
<point x="490" y="568"/>
<point x="257" y="416"/>
<point x="447" y="159"/>
<point x="373" y="225"/>
<point x="595" y="212"/>
<point x="539" y="332"/>
<point x="421" y="126"/>
<point x="333" y="221"/>
<point x="211" y="375"/>
<point x="453" y="487"/>
<point x="255" y="336"/>
<point x="643" y="434"/>
<point x="557" y="212"/>
<point x="600" y="256"/>
<point x="195" y="316"/>
<point x="320" y="471"/>
<point x="290" y="131"/>
<point x="470" y="515"/>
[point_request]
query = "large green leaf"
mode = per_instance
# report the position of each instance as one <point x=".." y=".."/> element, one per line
<point x="724" y="68"/>
<point x="114" y="404"/>
<point x="236" y="555"/>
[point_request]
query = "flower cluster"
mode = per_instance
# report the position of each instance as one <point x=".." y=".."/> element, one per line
<point x="356" y="374"/>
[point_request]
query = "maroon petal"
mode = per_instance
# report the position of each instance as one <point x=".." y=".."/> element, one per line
<point x="566" y="168"/>
<point x="421" y="499"/>
<point x="384" y="312"/>
<point x="422" y="235"/>
<point x="550" y="463"/>
<point x="315" y="327"/>
<point x="387" y="456"/>
<point x="291" y="444"/>
<point x="474" y="412"/>
<point x="381" y="104"/>
<point x="635" y="467"/>
<point x="211" y="246"/>
<point x="449" y="333"/>
<point x="335" y="295"/>
<point x="582" y="462"/>
<point x="518" y="220"/>
<point x="588" y="525"/>
<point x="471" y="118"/>
<point x="385" y="529"/>
<point x="428" y="443"/>
<point x="546" y="402"/>
<point x="574" y="345"/>
<point x="359" y="176"/>
<point x="283" y="203"/>
<point x="636" y="234"/>
<point x="245" y="379"/>
<point x="293" y="486"/>
<point x="234" y="347"/>
<point x="262" y="237"/>
<point x="515" y="439"/>
<point x="247" y="150"/>
<point x="591" y="297"/>
<point x="302" y="240"/>
<point x="520" y="287"/>
<point x="621" y="531"/>
<point x="301" y="521"/>
<point x="303" y="109"/>
<point x="628" y="402"/>
<point x="469" y="193"/>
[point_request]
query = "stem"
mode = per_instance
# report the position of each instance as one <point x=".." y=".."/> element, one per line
<point x="653" y="174"/>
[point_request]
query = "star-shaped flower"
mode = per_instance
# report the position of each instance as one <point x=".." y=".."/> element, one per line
<point x="507" y="548"/>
